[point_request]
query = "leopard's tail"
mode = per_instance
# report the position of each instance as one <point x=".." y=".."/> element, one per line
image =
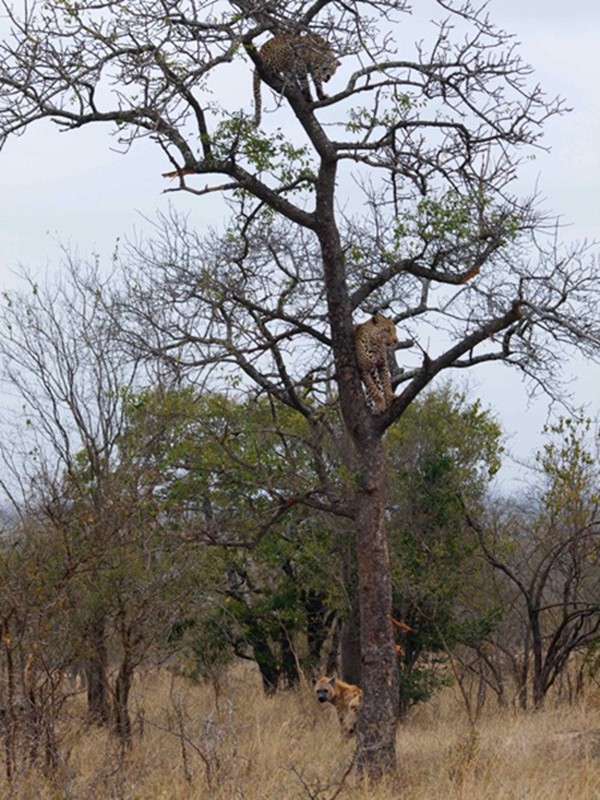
<point x="257" y="99"/>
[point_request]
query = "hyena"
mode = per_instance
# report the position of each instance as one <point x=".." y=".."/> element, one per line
<point x="345" y="698"/>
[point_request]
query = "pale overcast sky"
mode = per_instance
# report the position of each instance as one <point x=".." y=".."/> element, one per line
<point x="72" y="188"/>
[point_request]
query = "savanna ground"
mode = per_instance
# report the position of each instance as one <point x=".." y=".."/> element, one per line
<point x="227" y="741"/>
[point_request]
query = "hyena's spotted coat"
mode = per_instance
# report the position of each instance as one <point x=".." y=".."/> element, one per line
<point x="345" y="698"/>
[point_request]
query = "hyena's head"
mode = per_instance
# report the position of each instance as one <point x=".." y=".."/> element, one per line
<point x="325" y="689"/>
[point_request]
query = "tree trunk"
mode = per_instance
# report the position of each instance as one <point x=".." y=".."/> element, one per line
<point x="350" y="636"/>
<point x="289" y="664"/>
<point x="122" y="720"/>
<point x="318" y="626"/>
<point x="8" y="721"/>
<point x="332" y="660"/>
<point x="96" y="670"/>
<point x="266" y="660"/>
<point x="362" y="449"/>
<point x="537" y="655"/>
<point x="350" y="667"/>
<point x="376" y="748"/>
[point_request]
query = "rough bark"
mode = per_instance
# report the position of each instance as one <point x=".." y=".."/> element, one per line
<point x="376" y="751"/>
<point x="350" y="667"/>
<point x="376" y="740"/>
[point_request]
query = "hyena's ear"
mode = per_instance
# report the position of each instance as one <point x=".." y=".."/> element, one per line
<point x="332" y="682"/>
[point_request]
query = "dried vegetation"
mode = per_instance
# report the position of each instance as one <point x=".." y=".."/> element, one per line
<point x="226" y="741"/>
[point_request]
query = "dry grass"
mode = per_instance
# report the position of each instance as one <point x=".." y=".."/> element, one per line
<point x="231" y="743"/>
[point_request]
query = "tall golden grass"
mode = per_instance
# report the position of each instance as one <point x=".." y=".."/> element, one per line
<point x="227" y="741"/>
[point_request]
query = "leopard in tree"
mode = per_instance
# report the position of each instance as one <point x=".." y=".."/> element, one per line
<point x="297" y="56"/>
<point x="373" y="339"/>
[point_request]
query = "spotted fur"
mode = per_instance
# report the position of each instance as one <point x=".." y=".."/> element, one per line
<point x="296" y="56"/>
<point x="372" y="340"/>
<point x="344" y="697"/>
